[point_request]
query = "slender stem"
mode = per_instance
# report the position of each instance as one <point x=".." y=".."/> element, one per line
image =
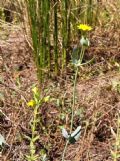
<point x="74" y="88"/>
<point x="56" y="36"/>
<point x="32" y="148"/>
<point x="74" y="92"/>
<point x="82" y="54"/>
<point x="63" y="156"/>
<point x="117" y="137"/>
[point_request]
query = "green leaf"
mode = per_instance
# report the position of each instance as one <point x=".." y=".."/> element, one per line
<point x="113" y="154"/>
<point x="75" y="55"/>
<point x="2" y="140"/>
<point x="28" y="157"/>
<point x="118" y="156"/>
<point x="1" y="96"/>
<point x="32" y="158"/>
<point x="27" y="137"/>
<point x="46" y="99"/>
<point x="1" y="79"/>
<point x="35" y="138"/>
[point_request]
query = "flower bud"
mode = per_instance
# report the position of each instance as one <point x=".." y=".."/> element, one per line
<point x="84" y="41"/>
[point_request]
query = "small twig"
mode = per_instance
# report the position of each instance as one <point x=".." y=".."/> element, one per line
<point x="5" y="115"/>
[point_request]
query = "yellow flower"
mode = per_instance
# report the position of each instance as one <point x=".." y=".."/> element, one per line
<point x="31" y="103"/>
<point x="35" y="90"/>
<point x="84" y="27"/>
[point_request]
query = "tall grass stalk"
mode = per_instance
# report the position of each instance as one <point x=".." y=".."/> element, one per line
<point x="56" y="36"/>
<point x="45" y="13"/>
<point x="90" y="12"/>
<point x="34" y="19"/>
<point x="64" y="30"/>
<point x="39" y="18"/>
<point x="44" y="17"/>
<point x="48" y="33"/>
<point x="45" y="34"/>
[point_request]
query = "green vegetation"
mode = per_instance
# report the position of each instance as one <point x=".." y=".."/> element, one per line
<point x="35" y="104"/>
<point x="58" y="28"/>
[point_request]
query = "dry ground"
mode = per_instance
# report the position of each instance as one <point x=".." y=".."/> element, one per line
<point x="98" y="100"/>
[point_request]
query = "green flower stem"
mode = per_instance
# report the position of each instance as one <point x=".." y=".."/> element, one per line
<point x="34" y="121"/>
<point x="74" y="88"/>
<point x="32" y="151"/>
<point x="72" y="117"/>
<point x="74" y="92"/>
<point x="82" y="54"/>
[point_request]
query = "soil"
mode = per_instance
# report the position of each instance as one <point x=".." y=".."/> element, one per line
<point x="98" y="103"/>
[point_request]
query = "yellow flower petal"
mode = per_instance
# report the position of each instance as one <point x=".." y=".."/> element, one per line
<point x="31" y="103"/>
<point x="84" y="27"/>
